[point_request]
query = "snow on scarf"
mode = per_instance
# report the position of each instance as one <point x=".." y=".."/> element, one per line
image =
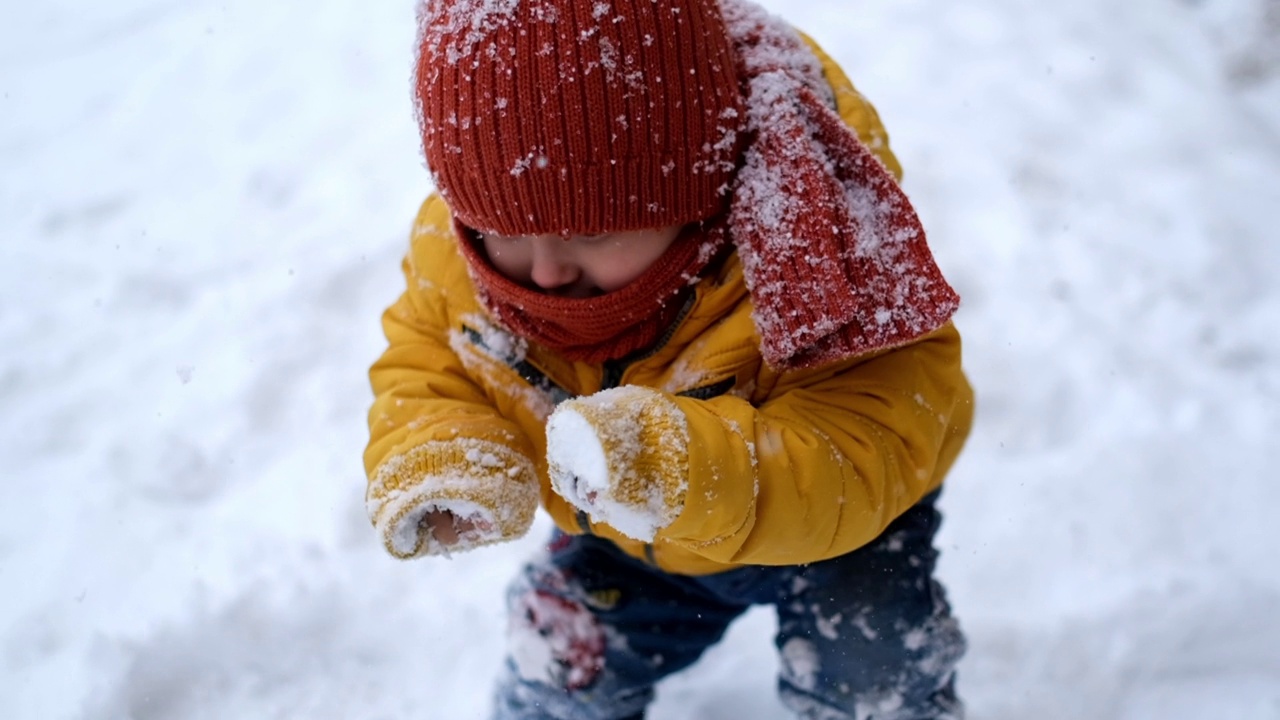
<point x="833" y="253"/>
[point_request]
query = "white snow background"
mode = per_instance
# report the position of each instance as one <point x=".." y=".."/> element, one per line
<point x="202" y="210"/>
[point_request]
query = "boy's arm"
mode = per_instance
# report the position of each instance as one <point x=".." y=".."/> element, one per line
<point x="816" y="471"/>
<point x="436" y="443"/>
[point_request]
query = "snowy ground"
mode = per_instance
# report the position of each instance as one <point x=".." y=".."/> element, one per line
<point x="202" y="208"/>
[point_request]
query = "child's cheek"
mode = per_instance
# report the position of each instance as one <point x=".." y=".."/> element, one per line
<point x="510" y="261"/>
<point x="614" y="268"/>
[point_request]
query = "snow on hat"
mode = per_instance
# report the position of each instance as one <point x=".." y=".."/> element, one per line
<point x="578" y="116"/>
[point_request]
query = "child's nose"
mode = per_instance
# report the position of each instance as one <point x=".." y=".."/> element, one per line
<point x="553" y="264"/>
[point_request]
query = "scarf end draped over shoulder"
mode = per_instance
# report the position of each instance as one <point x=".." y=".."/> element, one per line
<point x="833" y="252"/>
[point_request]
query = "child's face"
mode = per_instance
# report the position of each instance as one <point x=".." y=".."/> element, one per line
<point x="581" y="265"/>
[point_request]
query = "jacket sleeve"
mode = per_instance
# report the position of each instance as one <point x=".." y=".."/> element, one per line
<point x="435" y="439"/>
<point x="834" y="454"/>
<point x="833" y="457"/>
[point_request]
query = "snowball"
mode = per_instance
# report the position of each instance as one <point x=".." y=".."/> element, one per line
<point x="593" y="465"/>
<point x="577" y="455"/>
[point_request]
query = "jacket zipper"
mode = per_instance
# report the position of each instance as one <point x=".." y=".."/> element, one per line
<point x="614" y="369"/>
<point x="612" y="378"/>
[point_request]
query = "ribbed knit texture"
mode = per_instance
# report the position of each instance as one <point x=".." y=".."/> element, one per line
<point x="578" y="116"/>
<point x="475" y="478"/>
<point x="581" y="117"/>
<point x="598" y="328"/>
<point x="832" y="251"/>
<point x="642" y="438"/>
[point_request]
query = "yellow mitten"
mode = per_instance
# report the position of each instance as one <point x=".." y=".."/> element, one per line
<point x="621" y="455"/>
<point x="488" y="484"/>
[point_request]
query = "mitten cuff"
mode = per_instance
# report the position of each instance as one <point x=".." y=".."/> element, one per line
<point x="622" y="456"/>
<point x="490" y="484"/>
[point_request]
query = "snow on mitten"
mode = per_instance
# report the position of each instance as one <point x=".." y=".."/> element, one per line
<point x="486" y="483"/>
<point x="621" y="455"/>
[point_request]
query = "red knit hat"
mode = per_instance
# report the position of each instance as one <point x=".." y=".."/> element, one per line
<point x="578" y="116"/>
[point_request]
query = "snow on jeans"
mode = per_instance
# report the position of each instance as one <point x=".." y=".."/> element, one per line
<point x="865" y="636"/>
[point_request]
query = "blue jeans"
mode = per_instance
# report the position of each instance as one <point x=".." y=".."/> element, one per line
<point x="864" y="636"/>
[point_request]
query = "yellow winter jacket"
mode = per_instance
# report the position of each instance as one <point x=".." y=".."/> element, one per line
<point x="780" y="467"/>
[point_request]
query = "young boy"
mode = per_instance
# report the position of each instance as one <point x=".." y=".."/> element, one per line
<point x="671" y="292"/>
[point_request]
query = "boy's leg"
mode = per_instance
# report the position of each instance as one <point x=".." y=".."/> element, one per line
<point x="869" y="635"/>
<point x="592" y="630"/>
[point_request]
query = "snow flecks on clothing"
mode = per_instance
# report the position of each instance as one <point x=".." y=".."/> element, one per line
<point x="924" y="404"/>
<point x="880" y="703"/>
<point x="555" y="641"/>
<point x="485" y="482"/>
<point x="800" y="583"/>
<point x="423" y="227"/>
<point x="736" y="429"/>
<point x="863" y="625"/>
<point x="720" y="156"/>
<point x="939" y="642"/>
<point x="496" y="353"/>
<point x="775" y="45"/>
<point x="501" y="344"/>
<point x="684" y="375"/>
<point x="616" y="66"/>
<point x="621" y="456"/>
<point x="536" y="158"/>
<point x="817" y="216"/>
<point x="608" y="56"/>
<point x="487" y="460"/>
<point x="470" y="22"/>
<point x="884" y="703"/>
<point x="474" y="358"/>
<point x="828" y="627"/>
<point x="800" y="663"/>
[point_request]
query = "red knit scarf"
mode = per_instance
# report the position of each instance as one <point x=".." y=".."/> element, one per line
<point x="833" y="253"/>
<point x="599" y="328"/>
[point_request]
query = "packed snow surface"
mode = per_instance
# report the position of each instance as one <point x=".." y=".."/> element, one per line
<point x="202" y="211"/>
